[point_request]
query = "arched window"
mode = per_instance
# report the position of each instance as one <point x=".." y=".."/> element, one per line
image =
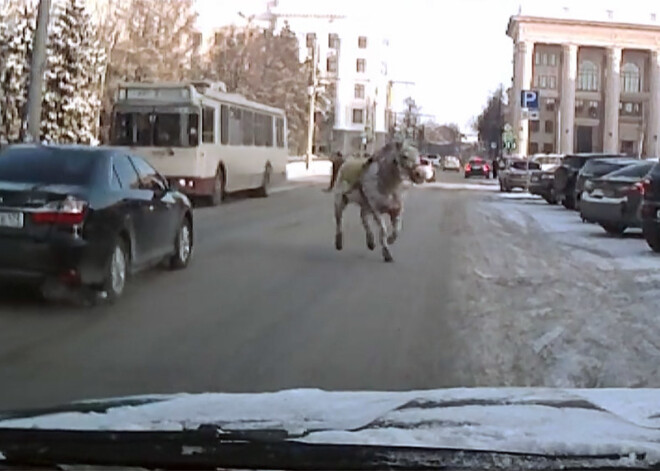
<point x="630" y="77"/>
<point x="588" y="77"/>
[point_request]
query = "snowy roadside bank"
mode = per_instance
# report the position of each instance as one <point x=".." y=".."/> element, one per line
<point x="570" y="312"/>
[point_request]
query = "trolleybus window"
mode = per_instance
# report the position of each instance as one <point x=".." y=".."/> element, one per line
<point x="235" y="135"/>
<point x="208" y="125"/>
<point x="280" y="132"/>
<point x="168" y="130"/>
<point x="224" y="124"/>
<point x="156" y="129"/>
<point x="268" y="128"/>
<point x="259" y="131"/>
<point x="248" y="128"/>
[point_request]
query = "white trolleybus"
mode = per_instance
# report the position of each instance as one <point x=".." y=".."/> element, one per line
<point x="204" y="140"/>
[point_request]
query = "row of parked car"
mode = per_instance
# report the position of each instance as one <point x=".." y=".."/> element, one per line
<point x="611" y="190"/>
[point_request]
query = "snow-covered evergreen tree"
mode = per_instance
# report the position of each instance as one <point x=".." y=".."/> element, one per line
<point x="16" y="37"/>
<point x="72" y="95"/>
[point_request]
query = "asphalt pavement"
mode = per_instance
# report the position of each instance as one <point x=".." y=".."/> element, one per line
<point x="268" y="304"/>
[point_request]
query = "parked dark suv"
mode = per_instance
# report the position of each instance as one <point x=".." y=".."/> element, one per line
<point x="566" y="176"/>
<point x="651" y="208"/>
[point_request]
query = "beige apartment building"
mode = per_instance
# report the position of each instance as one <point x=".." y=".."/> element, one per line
<point x="599" y="84"/>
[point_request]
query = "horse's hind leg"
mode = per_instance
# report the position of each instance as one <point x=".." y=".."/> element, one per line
<point x="340" y="205"/>
<point x="364" y="215"/>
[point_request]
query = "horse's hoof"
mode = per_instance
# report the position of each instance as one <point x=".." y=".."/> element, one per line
<point x="387" y="256"/>
<point x="339" y="242"/>
<point x="391" y="239"/>
<point x="371" y="245"/>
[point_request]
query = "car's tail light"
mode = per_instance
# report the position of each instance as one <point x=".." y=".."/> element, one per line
<point x="468" y="168"/>
<point x="486" y="168"/>
<point x="639" y="188"/>
<point x="646" y="185"/>
<point x="68" y="212"/>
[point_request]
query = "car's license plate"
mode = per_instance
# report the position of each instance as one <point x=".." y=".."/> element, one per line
<point x="657" y="214"/>
<point x="476" y="168"/>
<point x="13" y="220"/>
<point x="535" y="179"/>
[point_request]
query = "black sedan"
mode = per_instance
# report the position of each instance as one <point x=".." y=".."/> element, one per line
<point x="79" y="217"/>
<point x="614" y="200"/>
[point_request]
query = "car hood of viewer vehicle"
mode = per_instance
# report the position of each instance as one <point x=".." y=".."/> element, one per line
<point x="621" y="423"/>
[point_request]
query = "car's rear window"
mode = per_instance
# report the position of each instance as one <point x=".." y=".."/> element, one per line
<point x="523" y="165"/>
<point x="634" y="171"/>
<point x="47" y="165"/>
<point x="602" y="167"/>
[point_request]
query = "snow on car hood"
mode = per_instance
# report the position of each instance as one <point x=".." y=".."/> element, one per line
<point x="539" y="421"/>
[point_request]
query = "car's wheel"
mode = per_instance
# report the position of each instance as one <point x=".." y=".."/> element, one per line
<point x="117" y="270"/>
<point x="614" y="229"/>
<point x="218" y="188"/>
<point x="652" y="237"/>
<point x="550" y="199"/>
<point x="183" y="246"/>
<point x="263" y="190"/>
<point x="569" y="200"/>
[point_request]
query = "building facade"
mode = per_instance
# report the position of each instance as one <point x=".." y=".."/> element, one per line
<point x="352" y="59"/>
<point x="599" y="84"/>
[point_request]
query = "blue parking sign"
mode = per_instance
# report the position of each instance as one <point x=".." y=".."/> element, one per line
<point x="529" y="99"/>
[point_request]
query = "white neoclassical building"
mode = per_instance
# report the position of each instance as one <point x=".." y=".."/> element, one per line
<point x="599" y="82"/>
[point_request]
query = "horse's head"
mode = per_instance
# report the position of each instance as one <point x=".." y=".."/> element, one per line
<point x="407" y="159"/>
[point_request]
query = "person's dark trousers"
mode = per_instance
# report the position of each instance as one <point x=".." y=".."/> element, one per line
<point x="336" y="165"/>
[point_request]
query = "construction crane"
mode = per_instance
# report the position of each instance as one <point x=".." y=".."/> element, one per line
<point x="271" y="17"/>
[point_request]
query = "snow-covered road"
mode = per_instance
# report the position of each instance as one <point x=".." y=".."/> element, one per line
<point x="574" y="306"/>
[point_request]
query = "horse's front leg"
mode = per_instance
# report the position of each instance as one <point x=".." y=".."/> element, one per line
<point x="340" y="205"/>
<point x="364" y="215"/>
<point x="380" y="220"/>
<point x="397" y="224"/>
<point x="396" y="218"/>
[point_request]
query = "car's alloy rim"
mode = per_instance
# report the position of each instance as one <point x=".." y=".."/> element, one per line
<point x="118" y="270"/>
<point x="184" y="243"/>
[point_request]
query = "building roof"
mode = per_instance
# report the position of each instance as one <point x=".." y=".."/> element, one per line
<point x="603" y="13"/>
<point x="514" y="21"/>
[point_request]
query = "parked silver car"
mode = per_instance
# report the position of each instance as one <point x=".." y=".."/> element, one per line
<point x="515" y="174"/>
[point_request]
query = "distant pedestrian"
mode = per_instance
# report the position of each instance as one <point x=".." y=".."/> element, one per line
<point x="337" y="161"/>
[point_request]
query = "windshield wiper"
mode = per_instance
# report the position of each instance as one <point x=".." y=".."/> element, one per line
<point x="211" y="448"/>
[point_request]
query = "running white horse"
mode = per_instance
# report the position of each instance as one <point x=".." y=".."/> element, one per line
<point x="375" y="184"/>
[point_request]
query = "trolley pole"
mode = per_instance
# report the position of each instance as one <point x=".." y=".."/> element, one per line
<point x="37" y="72"/>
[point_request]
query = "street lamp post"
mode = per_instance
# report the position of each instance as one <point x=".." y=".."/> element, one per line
<point x="312" y="107"/>
<point x="37" y="71"/>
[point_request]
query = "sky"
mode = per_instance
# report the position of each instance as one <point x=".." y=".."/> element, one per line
<point x="456" y="51"/>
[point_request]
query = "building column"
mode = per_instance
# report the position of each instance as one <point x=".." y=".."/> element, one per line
<point x="653" y="129"/>
<point x="523" y="70"/>
<point x="567" y="101"/>
<point x="612" y="99"/>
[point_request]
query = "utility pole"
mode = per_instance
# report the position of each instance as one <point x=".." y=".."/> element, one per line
<point x="312" y="108"/>
<point x="37" y="71"/>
